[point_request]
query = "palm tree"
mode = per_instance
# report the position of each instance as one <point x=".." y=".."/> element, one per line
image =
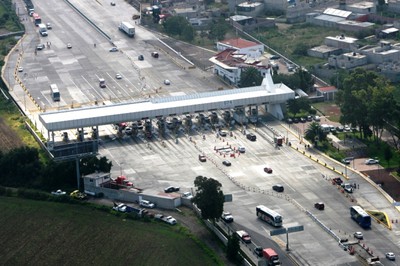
<point x="314" y="132"/>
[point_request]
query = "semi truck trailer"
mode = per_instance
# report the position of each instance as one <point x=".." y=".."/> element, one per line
<point x="127" y="28"/>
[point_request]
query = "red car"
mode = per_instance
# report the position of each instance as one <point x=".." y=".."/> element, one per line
<point x="268" y="170"/>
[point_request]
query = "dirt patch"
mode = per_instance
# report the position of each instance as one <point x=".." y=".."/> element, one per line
<point x="9" y="139"/>
<point x="386" y="181"/>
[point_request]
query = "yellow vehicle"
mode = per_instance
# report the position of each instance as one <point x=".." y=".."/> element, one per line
<point x="76" y="194"/>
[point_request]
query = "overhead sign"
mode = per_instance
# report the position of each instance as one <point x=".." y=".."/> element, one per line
<point x="295" y="229"/>
<point x="278" y="232"/>
<point x="286" y="230"/>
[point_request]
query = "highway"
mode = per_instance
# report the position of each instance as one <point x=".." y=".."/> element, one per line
<point x="155" y="164"/>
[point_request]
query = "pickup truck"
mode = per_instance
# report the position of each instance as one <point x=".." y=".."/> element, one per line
<point x="167" y="219"/>
<point x="58" y="192"/>
<point x="122" y="207"/>
<point x="76" y="194"/>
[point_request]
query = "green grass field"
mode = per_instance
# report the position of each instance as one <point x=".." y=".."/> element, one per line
<point x="47" y="233"/>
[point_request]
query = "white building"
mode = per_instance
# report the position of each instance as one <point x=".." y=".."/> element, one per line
<point x="229" y="63"/>
<point x="248" y="48"/>
<point x="347" y="44"/>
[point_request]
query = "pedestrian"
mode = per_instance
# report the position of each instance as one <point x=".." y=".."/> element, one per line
<point x="358" y="186"/>
<point x="94" y="45"/>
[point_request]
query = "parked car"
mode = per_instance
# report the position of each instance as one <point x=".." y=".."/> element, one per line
<point x="20" y="69"/>
<point x="171" y="189"/>
<point x="274" y="57"/>
<point x="319" y="206"/>
<point x="113" y="49"/>
<point x="358" y="235"/>
<point x="347" y="160"/>
<point x="348" y="187"/>
<point x="371" y="161"/>
<point x="76" y="194"/>
<point x="187" y="195"/>
<point x="226" y="163"/>
<point x="227" y="217"/>
<point x="278" y="188"/>
<point x="69" y="45"/>
<point x="140" y="57"/>
<point x="289" y="121"/>
<point x="112" y="3"/>
<point x="58" y="192"/>
<point x="154" y="54"/>
<point x="337" y="180"/>
<point x="303" y="119"/>
<point x="167" y="82"/>
<point x="147" y="204"/>
<point x="48" y="26"/>
<point x="317" y="118"/>
<point x="118" y="76"/>
<point x="268" y="170"/>
<point x="390" y="256"/>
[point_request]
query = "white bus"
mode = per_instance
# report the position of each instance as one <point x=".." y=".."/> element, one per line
<point x="54" y="92"/>
<point x="269" y="216"/>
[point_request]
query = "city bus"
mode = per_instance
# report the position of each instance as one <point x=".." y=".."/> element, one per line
<point x="36" y="19"/>
<point x="360" y="216"/>
<point x="269" y="216"/>
<point x="54" y="92"/>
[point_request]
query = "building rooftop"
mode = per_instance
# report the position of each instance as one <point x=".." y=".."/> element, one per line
<point x="327" y="89"/>
<point x="249" y="4"/>
<point x="239" y="43"/>
<point x="337" y="12"/>
<point x="231" y="59"/>
<point x="343" y="39"/>
<point x="362" y="5"/>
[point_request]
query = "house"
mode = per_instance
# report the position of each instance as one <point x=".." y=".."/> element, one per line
<point x="327" y="92"/>
<point x="229" y="63"/>
<point x="249" y="48"/>
<point x="347" y="44"/>
<point x="348" y="60"/>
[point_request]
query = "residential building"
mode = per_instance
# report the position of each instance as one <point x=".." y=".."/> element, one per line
<point x="347" y="44"/>
<point x="248" y="48"/>
<point x="229" y="64"/>
<point x="348" y="60"/>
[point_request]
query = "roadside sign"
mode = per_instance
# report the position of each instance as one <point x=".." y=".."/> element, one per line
<point x="227" y="197"/>
<point x="278" y="232"/>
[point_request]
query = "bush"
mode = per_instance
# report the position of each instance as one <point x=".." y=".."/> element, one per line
<point x="32" y="194"/>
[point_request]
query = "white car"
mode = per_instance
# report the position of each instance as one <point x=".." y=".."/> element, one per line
<point x="113" y="49"/>
<point x="371" y="161"/>
<point x="359" y="235"/>
<point x="187" y="195"/>
<point x="242" y="149"/>
<point x="167" y="82"/>
<point x="118" y="76"/>
<point x="20" y="69"/>
<point x="59" y="192"/>
<point x="227" y="217"/>
<point x="170" y="220"/>
<point x="69" y="45"/>
<point x="390" y="256"/>
<point x="147" y="204"/>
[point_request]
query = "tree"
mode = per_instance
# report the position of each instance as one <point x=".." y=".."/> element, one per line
<point x="250" y="77"/>
<point x="388" y="154"/>
<point x="188" y="33"/>
<point x="218" y="29"/>
<point x="314" y="133"/>
<point x="301" y="79"/>
<point x="209" y="197"/>
<point x="92" y="164"/>
<point x="298" y="104"/>
<point x="366" y="101"/>
<point x="232" y="249"/>
<point x="175" y="25"/>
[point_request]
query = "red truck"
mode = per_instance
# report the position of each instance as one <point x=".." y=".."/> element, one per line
<point x="271" y="256"/>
